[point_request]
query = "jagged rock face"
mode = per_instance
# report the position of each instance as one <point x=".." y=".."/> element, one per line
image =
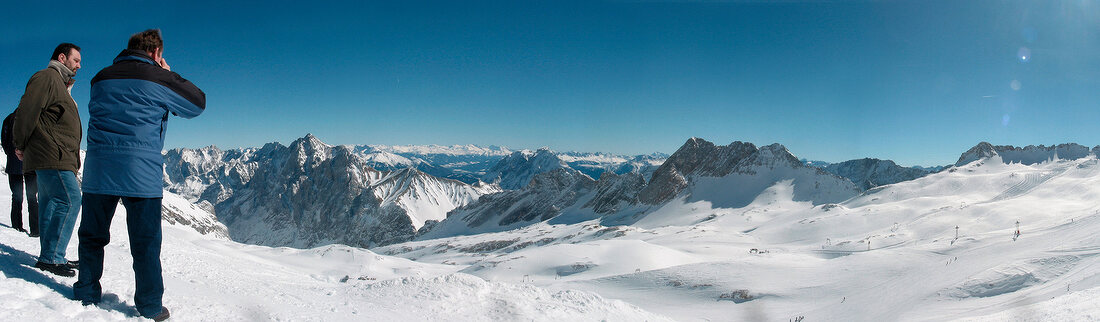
<point x="699" y="157"/>
<point x="614" y="191"/>
<point x="1027" y="155"/>
<point x="543" y="199"/>
<point x="516" y="170"/>
<point x="207" y="173"/>
<point x="758" y="167"/>
<point x="711" y="172"/>
<point x="666" y="183"/>
<point x="310" y="194"/>
<point x="868" y="173"/>
<point x="695" y="157"/>
<point x="308" y="198"/>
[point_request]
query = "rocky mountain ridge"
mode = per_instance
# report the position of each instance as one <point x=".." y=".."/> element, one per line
<point x="310" y="193"/>
<point x="698" y="170"/>
<point x="1027" y="155"/>
<point x="868" y="173"/>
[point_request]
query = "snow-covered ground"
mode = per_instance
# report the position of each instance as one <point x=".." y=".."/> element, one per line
<point x="889" y="254"/>
<point x="209" y="278"/>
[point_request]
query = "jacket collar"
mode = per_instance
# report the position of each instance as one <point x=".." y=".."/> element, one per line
<point x="129" y="54"/>
<point x="65" y="72"/>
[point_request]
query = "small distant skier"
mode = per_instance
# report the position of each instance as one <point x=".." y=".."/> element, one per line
<point x="1017" y="235"/>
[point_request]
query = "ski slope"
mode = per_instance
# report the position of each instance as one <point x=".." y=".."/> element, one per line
<point x="889" y="254"/>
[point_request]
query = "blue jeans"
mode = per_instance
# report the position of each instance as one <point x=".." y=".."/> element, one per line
<point x="143" y="226"/>
<point x="59" y="194"/>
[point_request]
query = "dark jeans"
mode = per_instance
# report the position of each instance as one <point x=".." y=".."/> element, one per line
<point x="143" y="226"/>
<point x="60" y="195"/>
<point x="16" y="183"/>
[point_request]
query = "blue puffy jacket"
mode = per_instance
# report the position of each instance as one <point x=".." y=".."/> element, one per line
<point x="128" y="116"/>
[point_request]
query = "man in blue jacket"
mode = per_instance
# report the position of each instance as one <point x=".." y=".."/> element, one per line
<point x="129" y="108"/>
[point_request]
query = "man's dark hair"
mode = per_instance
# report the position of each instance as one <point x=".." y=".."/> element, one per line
<point x="63" y="48"/>
<point x="147" y="41"/>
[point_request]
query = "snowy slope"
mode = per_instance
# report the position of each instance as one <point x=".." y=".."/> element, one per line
<point x="516" y="170"/>
<point x="544" y="198"/>
<point x="425" y="197"/>
<point x="889" y="254"/>
<point x="209" y="278"/>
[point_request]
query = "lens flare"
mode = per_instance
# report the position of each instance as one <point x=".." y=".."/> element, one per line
<point x="1015" y="85"/>
<point x="1024" y="54"/>
<point x="1004" y="120"/>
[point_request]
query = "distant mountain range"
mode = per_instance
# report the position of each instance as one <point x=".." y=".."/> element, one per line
<point x="727" y="176"/>
<point x="1026" y="155"/>
<point x="309" y="193"/>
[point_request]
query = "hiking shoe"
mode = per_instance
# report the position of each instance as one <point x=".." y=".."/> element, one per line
<point x="20" y="229"/>
<point x="163" y="315"/>
<point x="33" y="235"/>
<point x="73" y="264"/>
<point x="56" y="269"/>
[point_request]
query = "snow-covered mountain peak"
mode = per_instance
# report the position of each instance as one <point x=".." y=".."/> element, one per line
<point x="309" y="143"/>
<point x="868" y="173"/>
<point x="981" y="151"/>
<point x="695" y="142"/>
<point x="516" y="170"/>
<point x="452" y="150"/>
<point x="387" y="158"/>
<point x="311" y="193"/>
<point x="557" y="179"/>
<point x="1027" y="155"/>
<point x="775" y="155"/>
<point x="699" y="158"/>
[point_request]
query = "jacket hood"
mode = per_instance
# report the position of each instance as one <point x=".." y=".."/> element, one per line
<point x="130" y="54"/>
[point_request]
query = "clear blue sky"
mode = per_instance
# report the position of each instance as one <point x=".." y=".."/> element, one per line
<point x="918" y="82"/>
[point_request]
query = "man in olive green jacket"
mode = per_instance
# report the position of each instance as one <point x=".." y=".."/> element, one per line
<point x="47" y="135"/>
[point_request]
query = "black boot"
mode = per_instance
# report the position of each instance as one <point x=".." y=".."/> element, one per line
<point x="163" y="315"/>
<point x="56" y="269"/>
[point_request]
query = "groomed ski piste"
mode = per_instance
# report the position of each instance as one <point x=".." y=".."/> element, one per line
<point x="889" y="254"/>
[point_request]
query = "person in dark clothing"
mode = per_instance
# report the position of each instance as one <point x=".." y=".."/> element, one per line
<point x="16" y="180"/>
<point x="129" y="109"/>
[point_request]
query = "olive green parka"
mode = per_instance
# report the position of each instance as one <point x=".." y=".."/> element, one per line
<point x="47" y="125"/>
